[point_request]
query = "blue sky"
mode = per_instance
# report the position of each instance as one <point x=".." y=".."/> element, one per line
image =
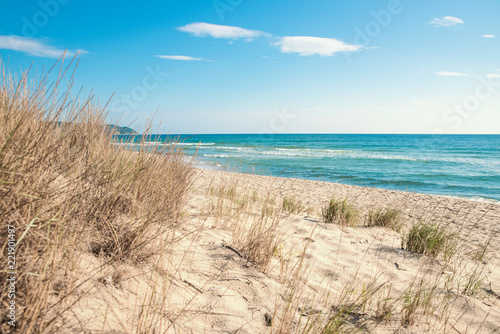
<point x="255" y="66"/>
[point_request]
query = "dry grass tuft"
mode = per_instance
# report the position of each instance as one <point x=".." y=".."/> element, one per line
<point x="68" y="190"/>
<point x="292" y="205"/>
<point x="481" y="253"/>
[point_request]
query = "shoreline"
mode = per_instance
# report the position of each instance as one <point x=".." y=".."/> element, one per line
<point x="341" y="259"/>
<point x="204" y="165"/>
<point x="316" y="194"/>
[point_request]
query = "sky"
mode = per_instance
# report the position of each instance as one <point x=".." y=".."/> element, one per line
<point x="259" y="66"/>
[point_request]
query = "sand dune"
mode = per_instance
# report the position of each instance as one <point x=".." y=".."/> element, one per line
<point x="241" y="263"/>
<point x="230" y="294"/>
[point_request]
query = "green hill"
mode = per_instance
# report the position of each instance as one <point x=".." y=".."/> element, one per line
<point x="112" y="128"/>
<point x="121" y="130"/>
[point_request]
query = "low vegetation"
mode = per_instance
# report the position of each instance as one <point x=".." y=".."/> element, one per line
<point x="68" y="191"/>
<point x="429" y="239"/>
<point x="86" y="213"/>
<point x="292" y="205"/>
<point x="473" y="282"/>
<point x="480" y="254"/>
<point x="389" y="218"/>
<point x="340" y="212"/>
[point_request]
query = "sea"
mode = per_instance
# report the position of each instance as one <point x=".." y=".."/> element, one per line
<point x="451" y="165"/>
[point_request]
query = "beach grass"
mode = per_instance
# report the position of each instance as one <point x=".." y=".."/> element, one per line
<point x="127" y="235"/>
<point x="340" y="212"/>
<point x="292" y="205"/>
<point x="430" y="239"/>
<point x="68" y="191"/>
<point x="389" y="218"/>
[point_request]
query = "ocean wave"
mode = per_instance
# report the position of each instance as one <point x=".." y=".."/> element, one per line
<point x="195" y="144"/>
<point x="312" y="153"/>
<point x="253" y="152"/>
<point x="234" y="148"/>
<point x="473" y="198"/>
<point x="217" y="155"/>
<point x="378" y="156"/>
<point x="339" y="153"/>
<point x="160" y="144"/>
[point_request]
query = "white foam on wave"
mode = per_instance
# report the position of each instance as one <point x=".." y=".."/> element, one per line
<point x="491" y="166"/>
<point x="369" y="155"/>
<point x="195" y="144"/>
<point x="315" y="153"/>
<point x="333" y="153"/>
<point x="234" y="148"/>
<point x="217" y="155"/>
<point x="473" y="198"/>
<point x="160" y="144"/>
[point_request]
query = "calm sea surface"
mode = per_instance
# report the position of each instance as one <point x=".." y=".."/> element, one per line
<point x="455" y="165"/>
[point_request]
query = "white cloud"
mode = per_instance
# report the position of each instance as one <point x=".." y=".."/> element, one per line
<point x="186" y="58"/>
<point x="452" y="74"/>
<point x="447" y="21"/>
<point x="201" y="29"/>
<point x="493" y="76"/>
<point x="308" y="46"/>
<point x="33" y="46"/>
<point x="488" y="36"/>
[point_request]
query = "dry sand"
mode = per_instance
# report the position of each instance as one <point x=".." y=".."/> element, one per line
<point x="236" y="295"/>
<point x="213" y="288"/>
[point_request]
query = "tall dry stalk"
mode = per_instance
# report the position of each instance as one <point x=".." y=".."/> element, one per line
<point x="68" y="191"/>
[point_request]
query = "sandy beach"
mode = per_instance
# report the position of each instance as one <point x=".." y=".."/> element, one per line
<point x="318" y="267"/>
<point x="250" y="167"/>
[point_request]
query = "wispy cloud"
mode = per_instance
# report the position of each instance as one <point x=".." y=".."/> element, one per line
<point x="452" y="74"/>
<point x="33" y="46"/>
<point x="308" y="46"/>
<point x="185" y="58"/>
<point x="201" y="29"/>
<point x="488" y="36"/>
<point x="447" y="21"/>
<point x="493" y="76"/>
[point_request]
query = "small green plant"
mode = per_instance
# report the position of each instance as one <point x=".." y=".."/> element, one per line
<point x="389" y="218"/>
<point x="340" y="212"/>
<point x="418" y="299"/>
<point x="429" y="239"/>
<point x="384" y="306"/>
<point x="292" y="205"/>
<point x="255" y="196"/>
<point x="241" y="204"/>
<point x="480" y="253"/>
<point x="340" y="320"/>
<point x="473" y="283"/>
<point x="267" y="211"/>
<point x="224" y="191"/>
<point x="347" y="314"/>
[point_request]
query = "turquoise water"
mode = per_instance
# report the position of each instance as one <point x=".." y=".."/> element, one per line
<point x="456" y="165"/>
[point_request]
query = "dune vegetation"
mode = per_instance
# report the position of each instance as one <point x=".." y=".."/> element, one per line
<point x="80" y="205"/>
<point x="113" y="240"/>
